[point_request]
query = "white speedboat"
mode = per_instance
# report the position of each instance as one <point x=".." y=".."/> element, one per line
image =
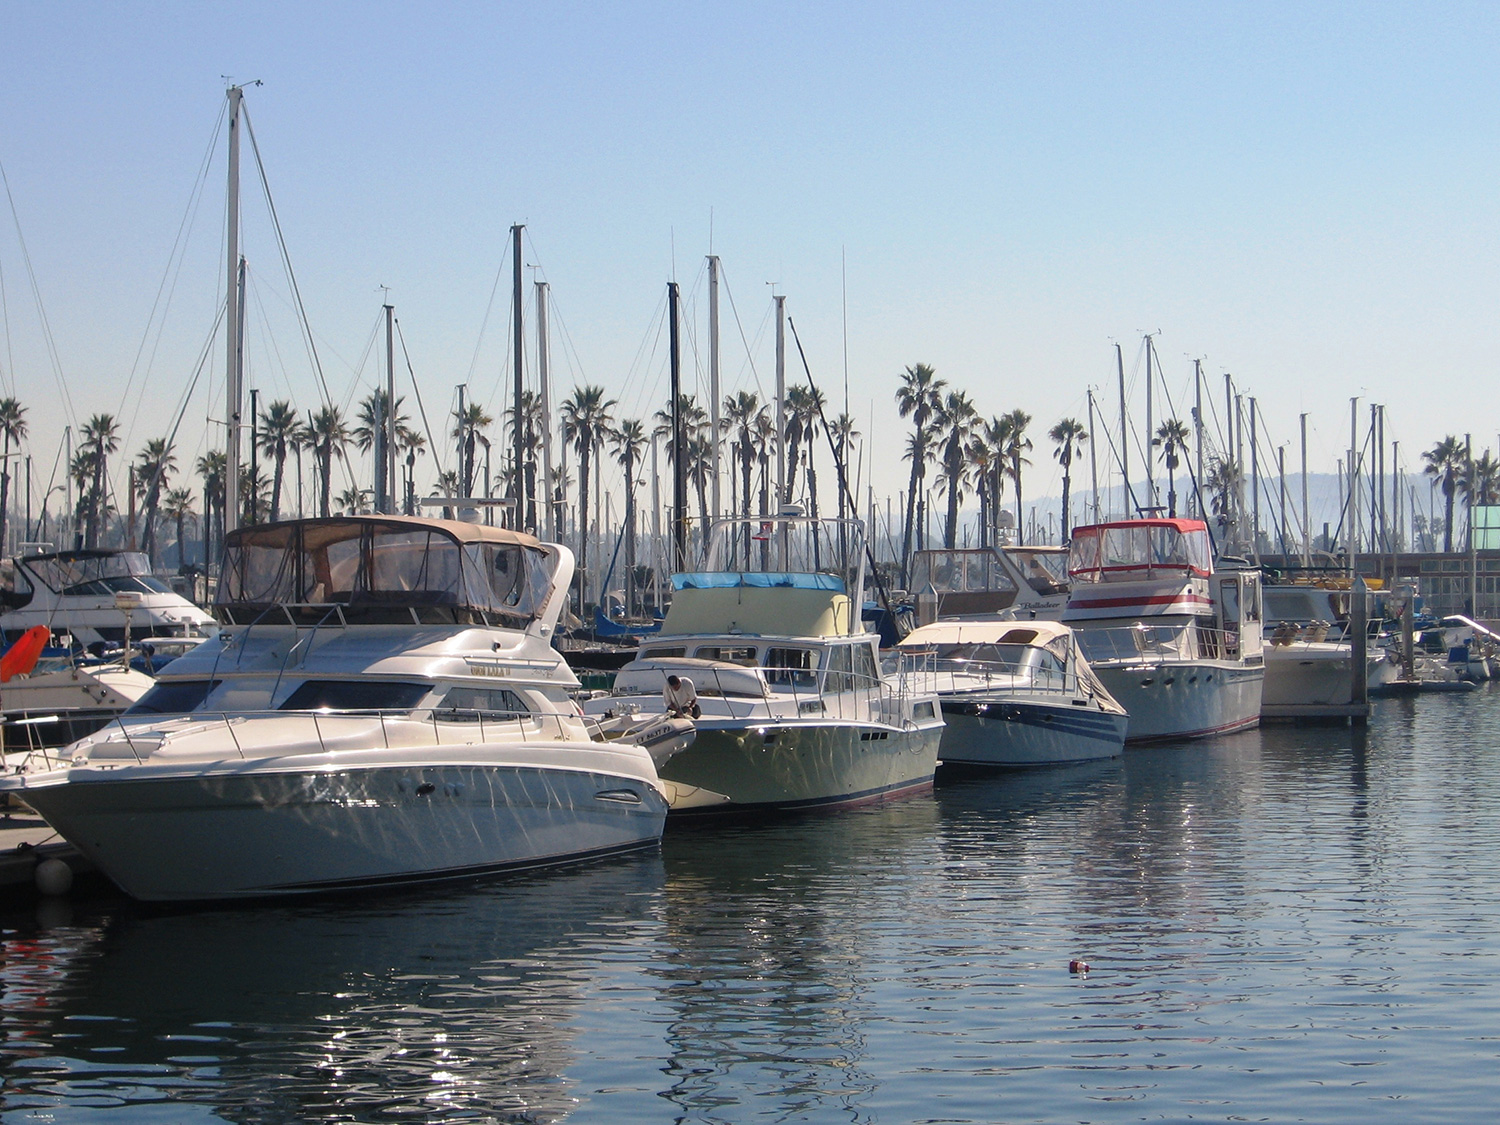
<point x="381" y="706"/>
<point x="1014" y="694"/>
<point x="795" y="712"/>
<point x="1177" y="643"/>
<point x="95" y="597"/>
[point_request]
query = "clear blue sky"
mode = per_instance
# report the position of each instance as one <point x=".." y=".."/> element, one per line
<point x="1303" y="195"/>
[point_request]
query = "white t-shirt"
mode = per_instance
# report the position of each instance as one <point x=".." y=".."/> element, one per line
<point x="680" y="698"/>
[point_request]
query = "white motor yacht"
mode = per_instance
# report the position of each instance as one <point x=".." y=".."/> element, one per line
<point x="382" y="705"/>
<point x="795" y="712"/>
<point x="1023" y="583"/>
<point x="60" y="700"/>
<point x="79" y="593"/>
<point x="1014" y="694"/>
<point x="1177" y="643"/>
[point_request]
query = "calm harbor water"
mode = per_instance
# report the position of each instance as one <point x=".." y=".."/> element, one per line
<point x="1288" y="925"/>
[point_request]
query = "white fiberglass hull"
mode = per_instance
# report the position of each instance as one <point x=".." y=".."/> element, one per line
<point x="1306" y="676"/>
<point x="1184" y="699"/>
<point x="253" y="829"/>
<point x="1017" y="730"/>
<point x="766" y="765"/>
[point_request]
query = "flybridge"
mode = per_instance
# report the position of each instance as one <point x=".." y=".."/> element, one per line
<point x="1131" y="550"/>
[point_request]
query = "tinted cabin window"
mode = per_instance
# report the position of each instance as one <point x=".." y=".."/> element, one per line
<point x="661" y="653"/>
<point x="354" y="695"/>
<point x="469" y="704"/>
<point x="731" y="654"/>
<point x="173" y="697"/>
<point x="790" y="665"/>
<point x="840" y="670"/>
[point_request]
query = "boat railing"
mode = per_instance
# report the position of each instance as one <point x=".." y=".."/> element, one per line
<point x="1157" y="642"/>
<point x="791" y="692"/>
<point x="331" y="730"/>
<point x="949" y="676"/>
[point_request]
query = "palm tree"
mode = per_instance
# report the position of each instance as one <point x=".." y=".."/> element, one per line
<point x="213" y="468"/>
<point x="995" y="436"/>
<point x="177" y="505"/>
<point x="467" y="424"/>
<point x="1068" y="436"/>
<point x="1172" y="435"/>
<point x="153" y="466"/>
<point x="918" y="397"/>
<point x="955" y="422"/>
<point x="586" y="419"/>
<point x="628" y="439"/>
<point x="698" y="449"/>
<point x="413" y="445"/>
<point x="1015" y="447"/>
<point x="101" y="437"/>
<point x="982" y="457"/>
<point x="531" y="430"/>
<point x="327" y="436"/>
<point x="370" y="434"/>
<point x="1223" y="483"/>
<point x="1447" y="461"/>
<point x="742" y="415"/>
<point x="280" y="433"/>
<point x="843" y="432"/>
<point x="447" y="485"/>
<point x="354" y="500"/>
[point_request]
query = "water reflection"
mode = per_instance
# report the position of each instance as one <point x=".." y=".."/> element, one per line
<point x="442" y="1006"/>
<point x="770" y="960"/>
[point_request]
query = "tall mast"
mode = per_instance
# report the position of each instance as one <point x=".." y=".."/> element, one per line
<point x="781" y="496"/>
<point x="1306" y="515"/>
<point x="1351" y="478"/>
<point x="1150" y="433"/>
<point x="1254" y="484"/>
<point x="1198" y="437"/>
<point x="543" y="360"/>
<point x="1093" y="459"/>
<point x="391" y="506"/>
<point x="679" y="453"/>
<point x="713" y="379"/>
<point x="518" y="484"/>
<point x="1124" y="431"/>
<point x="233" y="373"/>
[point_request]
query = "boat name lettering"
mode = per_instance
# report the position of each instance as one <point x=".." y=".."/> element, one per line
<point x="497" y="670"/>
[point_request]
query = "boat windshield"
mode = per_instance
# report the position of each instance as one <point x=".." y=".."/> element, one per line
<point x="959" y="571"/>
<point x="173" y="697"/>
<point x="354" y="695"/>
<point x="379" y="571"/>
<point x="96" y="574"/>
<point x="1116" y="552"/>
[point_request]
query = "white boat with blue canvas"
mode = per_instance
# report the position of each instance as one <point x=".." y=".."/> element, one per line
<point x="795" y="712"/>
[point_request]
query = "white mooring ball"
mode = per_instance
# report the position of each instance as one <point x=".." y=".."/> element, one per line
<point x="53" y="877"/>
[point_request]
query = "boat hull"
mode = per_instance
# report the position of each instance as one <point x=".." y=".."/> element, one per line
<point x="255" y="833"/>
<point x="1313" y="679"/>
<point x="1010" y="731"/>
<point x="1184" y="699"/>
<point x="775" y="766"/>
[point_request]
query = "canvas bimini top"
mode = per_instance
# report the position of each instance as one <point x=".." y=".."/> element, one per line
<point x="388" y="569"/>
<point x="1130" y="550"/>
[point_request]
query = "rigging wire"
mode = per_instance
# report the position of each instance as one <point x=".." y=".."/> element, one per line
<point x="36" y="292"/>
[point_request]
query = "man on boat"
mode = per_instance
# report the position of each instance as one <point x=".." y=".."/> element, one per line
<point x="681" y="698"/>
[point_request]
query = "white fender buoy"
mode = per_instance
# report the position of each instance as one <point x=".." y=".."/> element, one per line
<point x="54" y="877"/>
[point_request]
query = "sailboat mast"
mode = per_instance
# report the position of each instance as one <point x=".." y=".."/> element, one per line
<point x="679" y="452"/>
<point x="1093" y="458"/>
<point x="518" y="458"/>
<point x="781" y="496"/>
<point x="1150" y="432"/>
<point x="1198" y="437"/>
<point x="1124" y="430"/>
<point x="1306" y="515"/>
<point x="713" y="379"/>
<point x="391" y="505"/>
<point x="544" y="390"/>
<point x="233" y="390"/>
